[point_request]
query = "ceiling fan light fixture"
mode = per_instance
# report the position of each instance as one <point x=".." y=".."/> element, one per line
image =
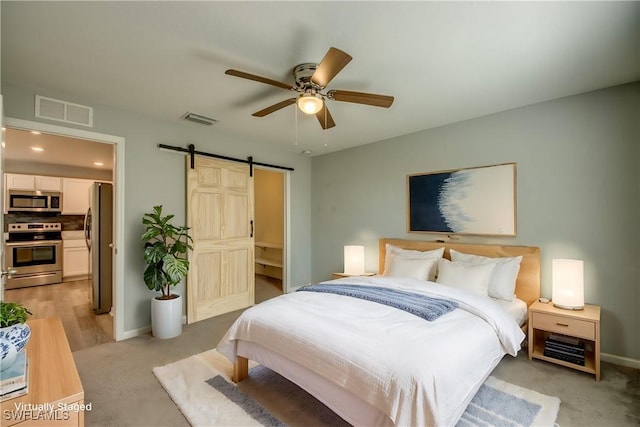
<point x="310" y="103"/>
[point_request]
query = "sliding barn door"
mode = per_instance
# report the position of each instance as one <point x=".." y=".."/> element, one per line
<point x="220" y="216"/>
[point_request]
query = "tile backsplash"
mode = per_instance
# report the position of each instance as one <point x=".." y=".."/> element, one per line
<point x="69" y="222"/>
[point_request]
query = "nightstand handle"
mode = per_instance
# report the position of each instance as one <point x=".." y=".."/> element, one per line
<point x="562" y="324"/>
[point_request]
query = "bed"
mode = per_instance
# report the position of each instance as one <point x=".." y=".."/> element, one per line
<point x="376" y="365"/>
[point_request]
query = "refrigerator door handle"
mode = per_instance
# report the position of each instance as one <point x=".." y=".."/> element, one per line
<point x="87" y="224"/>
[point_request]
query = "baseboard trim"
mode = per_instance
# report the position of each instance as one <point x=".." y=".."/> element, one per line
<point x="619" y="360"/>
<point x="136" y="332"/>
<point x="143" y="331"/>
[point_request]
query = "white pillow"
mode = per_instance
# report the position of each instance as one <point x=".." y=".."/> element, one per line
<point x="416" y="268"/>
<point x="505" y="273"/>
<point x="470" y="277"/>
<point x="408" y="253"/>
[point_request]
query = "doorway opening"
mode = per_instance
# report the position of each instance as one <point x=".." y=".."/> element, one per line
<point x="270" y="235"/>
<point x="72" y="299"/>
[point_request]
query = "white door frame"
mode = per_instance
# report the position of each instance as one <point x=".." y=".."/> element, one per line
<point x="286" y="272"/>
<point x="2" y="254"/>
<point x="118" y="187"/>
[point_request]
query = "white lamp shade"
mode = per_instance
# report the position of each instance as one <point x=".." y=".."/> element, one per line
<point x="354" y="260"/>
<point x="310" y="103"/>
<point x="568" y="284"/>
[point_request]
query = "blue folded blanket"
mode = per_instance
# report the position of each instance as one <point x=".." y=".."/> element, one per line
<point x="428" y="308"/>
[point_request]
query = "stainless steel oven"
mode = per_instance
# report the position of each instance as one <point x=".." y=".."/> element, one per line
<point x="33" y="254"/>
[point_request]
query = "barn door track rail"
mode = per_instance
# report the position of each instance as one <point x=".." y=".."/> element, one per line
<point x="191" y="150"/>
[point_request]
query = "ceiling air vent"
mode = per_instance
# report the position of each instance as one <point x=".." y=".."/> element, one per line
<point x="199" y="119"/>
<point x="62" y="111"/>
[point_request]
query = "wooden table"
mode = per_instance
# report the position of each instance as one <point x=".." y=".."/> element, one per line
<point x="544" y="319"/>
<point x="56" y="396"/>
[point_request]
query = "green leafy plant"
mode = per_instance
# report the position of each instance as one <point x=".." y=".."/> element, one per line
<point x="12" y="313"/>
<point x="165" y="250"/>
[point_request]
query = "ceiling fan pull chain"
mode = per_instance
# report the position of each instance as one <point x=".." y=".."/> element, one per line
<point x="326" y="110"/>
<point x="295" y="112"/>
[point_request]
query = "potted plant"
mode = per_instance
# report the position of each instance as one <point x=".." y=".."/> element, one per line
<point x="14" y="332"/>
<point x="165" y="249"/>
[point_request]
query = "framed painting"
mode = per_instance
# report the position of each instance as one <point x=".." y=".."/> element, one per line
<point x="479" y="201"/>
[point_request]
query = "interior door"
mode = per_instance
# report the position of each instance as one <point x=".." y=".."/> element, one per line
<point x="220" y="217"/>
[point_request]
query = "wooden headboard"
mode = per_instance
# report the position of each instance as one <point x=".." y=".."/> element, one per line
<point x="528" y="282"/>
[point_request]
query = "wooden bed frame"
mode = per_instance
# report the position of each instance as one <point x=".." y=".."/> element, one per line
<point x="527" y="283"/>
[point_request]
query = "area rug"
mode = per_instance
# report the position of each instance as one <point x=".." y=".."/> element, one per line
<point x="201" y="387"/>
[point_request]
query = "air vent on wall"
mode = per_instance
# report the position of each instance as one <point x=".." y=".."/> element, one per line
<point x="62" y="111"/>
<point x="199" y="118"/>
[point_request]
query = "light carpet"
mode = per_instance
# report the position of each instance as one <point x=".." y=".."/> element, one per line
<point x="201" y="387"/>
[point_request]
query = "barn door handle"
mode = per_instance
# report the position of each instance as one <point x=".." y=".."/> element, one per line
<point x="251" y="222"/>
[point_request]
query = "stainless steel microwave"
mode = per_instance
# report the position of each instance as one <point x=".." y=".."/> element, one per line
<point x="34" y="201"/>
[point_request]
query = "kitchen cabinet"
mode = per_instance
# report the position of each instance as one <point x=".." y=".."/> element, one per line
<point x="75" y="196"/>
<point x="48" y="183"/>
<point x="32" y="182"/>
<point x="75" y="259"/>
<point x="20" y="182"/>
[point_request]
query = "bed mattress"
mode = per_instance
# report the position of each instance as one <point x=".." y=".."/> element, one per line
<point x="412" y="371"/>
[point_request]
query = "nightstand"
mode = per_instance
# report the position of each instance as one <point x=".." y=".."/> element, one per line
<point x="343" y="275"/>
<point x="545" y="319"/>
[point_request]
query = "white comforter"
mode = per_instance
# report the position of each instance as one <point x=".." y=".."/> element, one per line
<point x="420" y="373"/>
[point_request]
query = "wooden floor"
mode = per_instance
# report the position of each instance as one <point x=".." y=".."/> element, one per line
<point x="70" y="302"/>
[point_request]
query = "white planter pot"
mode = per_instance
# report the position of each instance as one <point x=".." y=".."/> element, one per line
<point x="166" y="317"/>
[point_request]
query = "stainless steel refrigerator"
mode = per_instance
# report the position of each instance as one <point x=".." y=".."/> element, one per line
<point x="98" y="233"/>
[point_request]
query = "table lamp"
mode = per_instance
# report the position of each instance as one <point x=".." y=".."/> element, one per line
<point x="568" y="284"/>
<point x="354" y="260"/>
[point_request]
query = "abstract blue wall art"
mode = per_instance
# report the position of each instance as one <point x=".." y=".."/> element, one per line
<point x="478" y="201"/>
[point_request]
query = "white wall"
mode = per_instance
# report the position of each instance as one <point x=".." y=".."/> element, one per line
<point x="158" y="177"/>
<point x="578" y="175"/>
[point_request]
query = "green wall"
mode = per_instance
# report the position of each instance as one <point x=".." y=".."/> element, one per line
<point x="578" y="184"/>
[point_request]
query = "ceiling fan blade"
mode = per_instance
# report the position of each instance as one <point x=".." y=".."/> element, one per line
<point x="324" y="117"/>
<point x="361" y="98"/>
<point x="334" y="61"/>
<point x="260" y="79"/>
<point x="274" y="107"/>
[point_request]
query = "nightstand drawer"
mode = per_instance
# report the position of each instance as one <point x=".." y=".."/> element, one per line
<point x="564" y="325"/>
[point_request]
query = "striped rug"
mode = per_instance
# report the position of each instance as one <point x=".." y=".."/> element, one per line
<point x="201" y="388"/>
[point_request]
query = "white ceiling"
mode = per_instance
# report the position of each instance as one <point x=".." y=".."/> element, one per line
<point x="443" y="61"/>
<point x="57" y="150"/>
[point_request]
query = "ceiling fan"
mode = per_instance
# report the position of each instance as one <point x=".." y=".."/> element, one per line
<point x="311" y="81"/>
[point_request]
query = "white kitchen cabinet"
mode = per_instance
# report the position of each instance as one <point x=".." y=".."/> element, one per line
<point x="75" y="196"/>
<point x="20" y="182"/>
<point x="48" y="183"/>
<point x="75" y="259"/>
<point x="32" y="182"/>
